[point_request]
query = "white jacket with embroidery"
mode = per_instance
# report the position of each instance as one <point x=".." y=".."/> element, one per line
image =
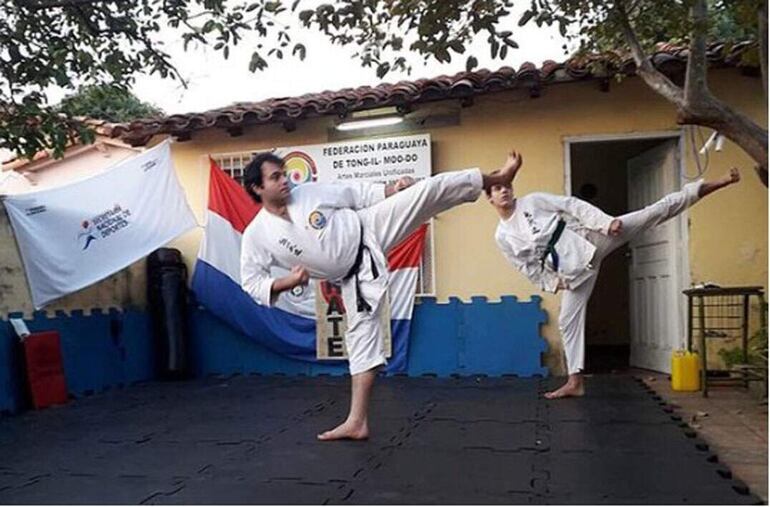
<point x="323" y="235"/>
<point x="523" y="238"/>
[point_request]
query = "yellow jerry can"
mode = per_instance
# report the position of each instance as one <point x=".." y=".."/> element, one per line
<point x="685" y="371"/>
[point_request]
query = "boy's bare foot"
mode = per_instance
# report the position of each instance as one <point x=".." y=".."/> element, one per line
<point x="571" y="389"/>
<point x="734" y="176"/>
<point x="347" y="431"/>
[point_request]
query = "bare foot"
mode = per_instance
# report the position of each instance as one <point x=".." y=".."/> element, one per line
<point x="572" y="389"/>
<point x="709" y="187"/>
<point x="504" y="175"/>
<point x="347" y="431"/>
<point x="733" y="177"/>
<point x="510" y="167"/>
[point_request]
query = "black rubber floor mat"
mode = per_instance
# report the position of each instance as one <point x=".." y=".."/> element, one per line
<point x="248" y="492"/>
<point x="449" y="473"/>
<point x="572" y="436"/>
<point x="638" y="478"/>
<point x="470" y="440"/>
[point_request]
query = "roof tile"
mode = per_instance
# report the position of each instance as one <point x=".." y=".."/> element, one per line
<point x="668" y="58"/>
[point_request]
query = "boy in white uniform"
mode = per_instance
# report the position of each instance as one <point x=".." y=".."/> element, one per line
<point x="559" y="242"/>
<point x="341" y="232"/>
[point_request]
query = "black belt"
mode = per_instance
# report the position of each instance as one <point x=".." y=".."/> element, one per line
<point x="361" y="303"/>
<point x="550" y="249"/>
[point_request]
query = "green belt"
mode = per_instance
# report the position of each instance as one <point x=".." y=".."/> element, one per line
<point x="550" y="248"/>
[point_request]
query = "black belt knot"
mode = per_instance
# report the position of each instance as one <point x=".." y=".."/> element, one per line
<point x="361" y="303"/>
<point x="550" y="249"/>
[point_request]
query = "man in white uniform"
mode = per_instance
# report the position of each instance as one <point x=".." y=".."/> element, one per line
<point x="341" y="232"/>
<point x="559" y="243"/>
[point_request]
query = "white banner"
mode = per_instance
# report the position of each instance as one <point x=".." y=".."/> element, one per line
<point x="73" y="236"/>
<point x="377" y="160"/>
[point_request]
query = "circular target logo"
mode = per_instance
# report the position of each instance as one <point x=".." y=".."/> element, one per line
<point x="300" y="168"/>
<point x="317" y="220"/>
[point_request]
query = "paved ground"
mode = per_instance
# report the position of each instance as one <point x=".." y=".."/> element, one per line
<point x="251" y="440"/>
<point x="733" y="421"/>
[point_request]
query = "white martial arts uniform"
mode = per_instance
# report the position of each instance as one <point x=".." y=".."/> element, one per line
<point x="584" y="243"/>
<point x="329" y="222"/>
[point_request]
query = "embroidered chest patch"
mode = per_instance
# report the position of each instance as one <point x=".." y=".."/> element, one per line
<point x="531" y="222"/>
<point x="317" y="220"/>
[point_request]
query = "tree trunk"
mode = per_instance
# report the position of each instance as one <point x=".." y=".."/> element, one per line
<point x="695" y="104"/>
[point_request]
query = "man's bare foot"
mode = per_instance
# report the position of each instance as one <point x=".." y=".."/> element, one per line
<point x="504" y="176"/>
<point x="512" y="165"/>
<point x="347" y="431"/>
<point x="573" y="388"/>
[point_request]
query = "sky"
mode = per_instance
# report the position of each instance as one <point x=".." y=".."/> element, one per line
<point x="214" y="82"/>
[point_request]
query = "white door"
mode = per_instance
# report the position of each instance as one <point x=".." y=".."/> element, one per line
<point x="657" y="323"/>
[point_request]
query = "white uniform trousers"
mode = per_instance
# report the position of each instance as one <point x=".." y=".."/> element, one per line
<point x="385" y="225"/>
<point x="572" y="316"/>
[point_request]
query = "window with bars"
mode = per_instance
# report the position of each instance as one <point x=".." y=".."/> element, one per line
<point x="233" y="163"/>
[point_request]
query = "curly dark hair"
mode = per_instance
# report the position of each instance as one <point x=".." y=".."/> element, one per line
<point x="252" y="173"/>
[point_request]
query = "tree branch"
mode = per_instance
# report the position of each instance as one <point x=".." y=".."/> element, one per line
<point x="49" y="4"/>
<point x="695" y="87"/>
<point x="763" y="44"/>
<point x="652" y="76"/>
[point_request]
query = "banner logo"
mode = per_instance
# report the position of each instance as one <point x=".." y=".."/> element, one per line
<point x="103" y="225"/>
<point x="87" y="235"/>
<point x="300" y="168"/>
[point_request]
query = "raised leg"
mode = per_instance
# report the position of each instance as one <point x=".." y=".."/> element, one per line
<point x="396" y="217"/>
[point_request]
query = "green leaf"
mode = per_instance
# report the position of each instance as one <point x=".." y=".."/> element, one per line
<point x="306" y="15"/>
<point x="442" y="55"/>
<point x="257" y="62"/>
<point x="457" y="47"/>
<point x="494" y="47"/>
<point x="471" y="63"/>
<point x="526" y="17"/>
<point x="299" y="49"/>
<point x="383" y="69"/>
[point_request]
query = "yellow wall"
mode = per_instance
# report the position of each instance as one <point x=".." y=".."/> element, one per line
<point x="728" y="233"/>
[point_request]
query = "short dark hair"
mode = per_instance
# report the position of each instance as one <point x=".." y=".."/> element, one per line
<point x="252" y="173"/>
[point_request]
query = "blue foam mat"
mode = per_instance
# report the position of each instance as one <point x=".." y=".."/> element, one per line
<point x="111" y="349"/>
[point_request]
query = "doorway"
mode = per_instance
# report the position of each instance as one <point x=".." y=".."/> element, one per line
<point x="635" y="314"/>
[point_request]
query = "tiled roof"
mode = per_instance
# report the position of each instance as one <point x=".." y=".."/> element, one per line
<point x="668" y="58"/>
